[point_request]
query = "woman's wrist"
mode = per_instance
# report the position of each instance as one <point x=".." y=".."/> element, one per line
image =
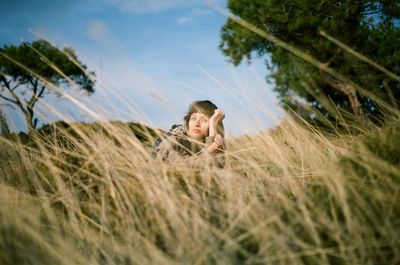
<point x="209" y="140"/>
<point x="212" y="130"/>
<point x="212" y="148"/>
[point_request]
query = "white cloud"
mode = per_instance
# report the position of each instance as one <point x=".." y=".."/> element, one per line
<point x="43" y="32"/>
<point x="97" y="30"/>
<point x="124" y="91"/>
<point x="184" y="20"/>
<point x="148" y="6"/>
<point x="201" y="12"/>
<point x="194" y="16"/>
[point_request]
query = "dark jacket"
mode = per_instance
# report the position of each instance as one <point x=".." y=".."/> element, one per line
<point x="177" y="147"/>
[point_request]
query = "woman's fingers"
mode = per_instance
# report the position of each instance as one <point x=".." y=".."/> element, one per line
<point x="218" y="115"/>
<point x="222" y="114"/>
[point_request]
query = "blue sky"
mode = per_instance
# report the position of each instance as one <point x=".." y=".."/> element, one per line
<point x="151" y="57"/>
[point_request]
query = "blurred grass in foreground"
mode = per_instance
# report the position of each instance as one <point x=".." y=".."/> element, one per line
<point x="93" y="195"/>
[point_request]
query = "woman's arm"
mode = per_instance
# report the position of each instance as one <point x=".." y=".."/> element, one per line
<point x="215" y="143"/>
<point x="217" y="139"/>
<point x="167" y="152"/>
<point x="217" y="117"/>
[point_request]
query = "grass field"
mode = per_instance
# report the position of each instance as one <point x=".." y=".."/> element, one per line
<point x="77" y="193"/>
<point x="293" y="195"/>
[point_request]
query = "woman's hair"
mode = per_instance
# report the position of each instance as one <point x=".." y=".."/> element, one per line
<point x="207" y="108"/>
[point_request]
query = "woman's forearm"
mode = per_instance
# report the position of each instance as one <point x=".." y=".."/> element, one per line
<point x="212" y="131"/>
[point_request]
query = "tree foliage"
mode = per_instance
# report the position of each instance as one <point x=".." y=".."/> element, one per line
<point x="31" y="70"/>
<point x="370" y="28"/>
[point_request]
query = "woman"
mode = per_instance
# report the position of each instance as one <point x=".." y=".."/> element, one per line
<point x="199" y="141"/>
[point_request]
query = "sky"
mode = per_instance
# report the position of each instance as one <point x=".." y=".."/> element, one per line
<point x="152" y="58"/>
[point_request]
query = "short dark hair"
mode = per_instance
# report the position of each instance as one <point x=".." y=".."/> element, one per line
<point x="207" y="108"/>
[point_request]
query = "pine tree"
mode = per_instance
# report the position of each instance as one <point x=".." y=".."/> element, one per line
<point x="370" y="28"/>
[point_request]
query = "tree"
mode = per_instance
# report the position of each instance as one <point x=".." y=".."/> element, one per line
<point x="28" y="72"/>
<point x="4" y="130"/>
<point x="369" y="27"/>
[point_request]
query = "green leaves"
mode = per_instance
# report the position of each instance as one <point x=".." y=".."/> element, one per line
<point x="41" y="59"/>
<point x="368" y="28"/>
<point x="34" y="67"/>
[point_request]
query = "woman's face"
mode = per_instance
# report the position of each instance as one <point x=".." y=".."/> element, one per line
<point x="198" y="125"/>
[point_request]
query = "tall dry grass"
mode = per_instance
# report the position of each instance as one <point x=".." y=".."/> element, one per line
<point x="289" y="196"/>
<point x="292" y="195"/>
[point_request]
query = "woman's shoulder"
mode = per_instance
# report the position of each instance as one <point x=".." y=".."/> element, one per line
<point x="176" y="130"/>
<point x="170" y="139"/>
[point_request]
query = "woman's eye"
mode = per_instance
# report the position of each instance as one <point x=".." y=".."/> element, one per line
<point x="203" y="120"/>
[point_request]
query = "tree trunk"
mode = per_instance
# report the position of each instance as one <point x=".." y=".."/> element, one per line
<point x="351" y="93"/>
<point x="4" y="129"/>
<point x="29" y="122"/>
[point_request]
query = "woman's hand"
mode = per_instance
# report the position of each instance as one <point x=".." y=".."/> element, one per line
<point x="217" y="117"/>
<point x="217" y="144"/>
